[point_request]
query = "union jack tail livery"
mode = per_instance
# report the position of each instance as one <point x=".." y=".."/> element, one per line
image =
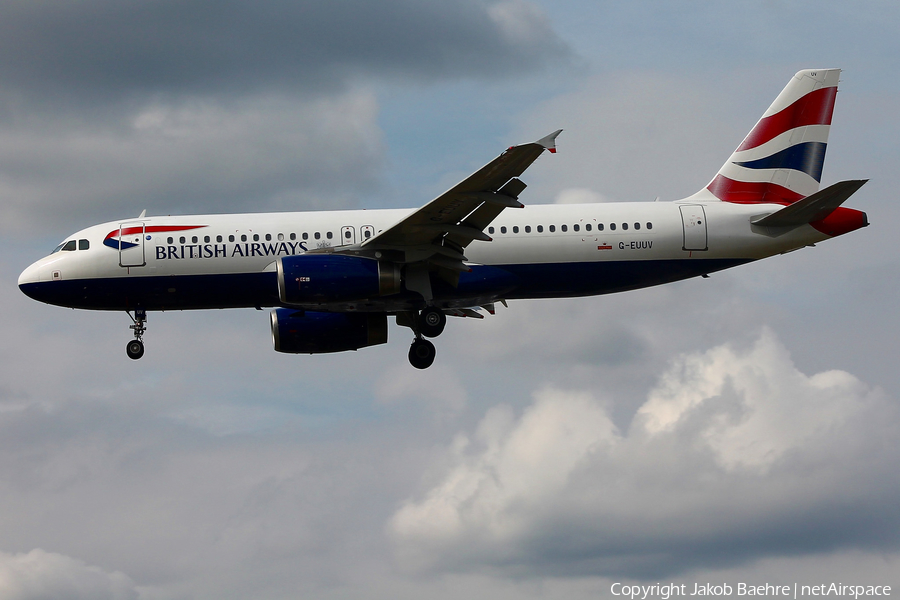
<point x="780" y="161"/>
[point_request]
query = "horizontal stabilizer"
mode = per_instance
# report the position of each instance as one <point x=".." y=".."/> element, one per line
<point x="814" y="207"/>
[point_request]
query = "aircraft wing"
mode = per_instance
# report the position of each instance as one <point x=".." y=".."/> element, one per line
<point x="462" y="212"/>
<point x="434" y="237"/>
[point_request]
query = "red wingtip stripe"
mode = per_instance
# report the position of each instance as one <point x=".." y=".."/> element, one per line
<point x="815" y="108"/>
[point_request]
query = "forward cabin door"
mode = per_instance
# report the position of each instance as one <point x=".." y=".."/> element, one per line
<point x="693" y="218"/>
<point x="131" y="245"/>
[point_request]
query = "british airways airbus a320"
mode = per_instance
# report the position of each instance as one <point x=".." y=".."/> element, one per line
<point x="334" y="278"/>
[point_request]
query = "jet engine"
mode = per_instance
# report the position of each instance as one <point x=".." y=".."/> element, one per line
<point x="312" y="332"/>
<point x="319" y="279"/>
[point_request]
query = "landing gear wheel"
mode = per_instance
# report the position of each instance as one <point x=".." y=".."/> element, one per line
<point x="135" y="349"/>
<point x="421" y="354"/>
<point x="432" y="321"/>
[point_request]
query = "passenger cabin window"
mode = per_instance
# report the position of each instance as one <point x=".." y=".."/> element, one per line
<point x="255" y="237"/>
<point x="490" y="230"/>
<point x="205" y="239"/>
<point x="329" y="235"/>
<point x="515" y="229"/>
<point x="268" y="237"/>
<point x="230" y="238"/>
<point x="367" y="234"/>
<point x="587" y="226"/>
<point x="347" y="234"/>
<point x="280" y="237"/>
<point x="293" y="236"/>
<point x="563" y="228"/>
<point x="194" y="240"/>
<point x="503" y="229"/>
<point x="181" y="239"/>
<point x="218" y="238"/>
<point x="612" y="226"/>
<point x="69" y="246"/>
<point x="170" y="240"/>
<point x="649" y="225"/>
<point x="624" y="226"/>
<point x="576" y="227"/>
<point x="84" y="244"/>
<point x="637" y="226"/>
<point x="540" y="229"/>
<point x="600" y="227"/>
<point x="243" y="237"/>
<point x="305" y="236"/>
<point x="317" y="235"/>
<point x="553" y="228"/>
<point x="528" y="229"/>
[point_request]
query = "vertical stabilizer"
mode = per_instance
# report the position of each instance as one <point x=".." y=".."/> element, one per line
<point x="780" y="161"/>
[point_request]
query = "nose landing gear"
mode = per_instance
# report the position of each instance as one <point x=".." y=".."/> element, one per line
<point x="135" y="348"/>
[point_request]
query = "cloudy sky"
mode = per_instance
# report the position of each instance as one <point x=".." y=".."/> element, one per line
<point x="738" y="428"/>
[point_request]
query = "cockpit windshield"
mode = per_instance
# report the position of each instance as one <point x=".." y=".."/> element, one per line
<point x="70" y="246"/>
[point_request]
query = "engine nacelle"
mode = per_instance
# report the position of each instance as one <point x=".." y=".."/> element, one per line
<point x="311" y="332"/>
<point x="323" y="278"/>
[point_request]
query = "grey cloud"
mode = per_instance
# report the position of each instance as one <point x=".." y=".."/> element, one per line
<point x="178" y="107"/>
<point x="200" y="156"/>
<point x="106" y="48"/>
<point x="734" y="455"/>
<point x="249" y="474"/>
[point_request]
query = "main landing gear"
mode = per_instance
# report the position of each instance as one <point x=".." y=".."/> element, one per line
<point x="432" y="321"/>
<point x="429" y="323"/>
<point x="421" y="353"/>
<point x="135" y="348"/>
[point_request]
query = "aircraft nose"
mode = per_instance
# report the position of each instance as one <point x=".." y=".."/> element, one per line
<point x="30" y="282"/>
<point x="30" y="275"/>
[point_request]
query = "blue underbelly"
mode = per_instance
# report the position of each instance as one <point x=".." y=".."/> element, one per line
<point x="241" y="290"/>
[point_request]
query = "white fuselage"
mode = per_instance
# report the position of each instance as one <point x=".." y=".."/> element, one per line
<point x="537" y="241"/>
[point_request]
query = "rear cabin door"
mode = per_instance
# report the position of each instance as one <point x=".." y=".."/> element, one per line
<point x="131" y="245"/>
<point x="693" y="219"/>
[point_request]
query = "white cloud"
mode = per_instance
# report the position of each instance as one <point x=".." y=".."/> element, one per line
<point x="732" y="447"/>
<point x="40" y="575"/>
<point x="522" y="23"/>
<point x="521" y="467"/>
<point x="780" y="409"/>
